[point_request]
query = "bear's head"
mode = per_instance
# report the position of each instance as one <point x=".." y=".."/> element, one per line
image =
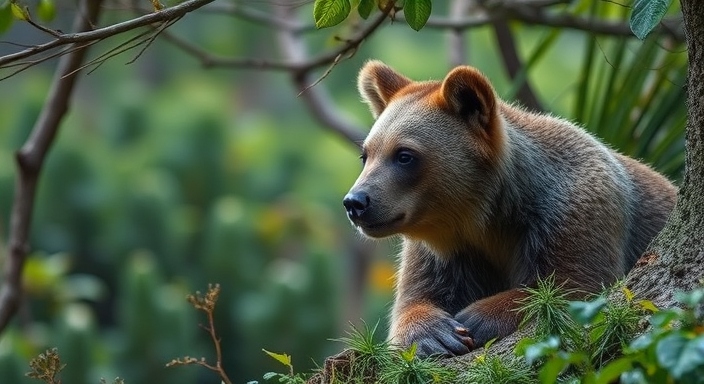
<point x="429" y="158"/>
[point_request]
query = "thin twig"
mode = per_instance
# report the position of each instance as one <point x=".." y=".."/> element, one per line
<point x="316" y="99"/>
<point x="671" y="26"/>
<point x="256" y="16"/>
<point x="30" y="159"/>
<point x="166" y="14"/>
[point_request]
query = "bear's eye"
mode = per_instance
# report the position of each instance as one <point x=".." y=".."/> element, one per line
<point x="363" y="156"/>
<point x="404" y="157"/>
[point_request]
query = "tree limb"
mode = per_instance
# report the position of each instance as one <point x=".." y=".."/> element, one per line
<point x="316" y="98"/>
<point x="164" y="15"/>
<point x="513" y="12"/>
<point x="29" y="161"/>
<point x="513" y="65"/>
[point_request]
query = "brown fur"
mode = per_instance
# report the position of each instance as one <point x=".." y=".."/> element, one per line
<point x="487" y="198"/>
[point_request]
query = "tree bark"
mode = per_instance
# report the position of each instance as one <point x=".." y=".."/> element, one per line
<point x="675" y="259"/>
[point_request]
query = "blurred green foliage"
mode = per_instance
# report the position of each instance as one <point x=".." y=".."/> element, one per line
<point x="166" y="177"/>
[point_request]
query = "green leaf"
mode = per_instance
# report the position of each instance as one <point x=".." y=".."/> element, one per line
<point x="46" y="10"/>
<point x="365" y="8"/>
<point x="542" y="349"/>
<point x="635" y="376"/>
<point x="643" y="341"/>
<point x="552" y="369"/>
<point x="646" y="15"/>
<point x="280" y="357"/>
<point x="328" y="13"/>
<point x="417" y="12"/>
<point x="19" y="12"/>
<point x="613" y="370"/>
<point x="662" y="319"/>
<point x="669" y="350"/>
<point x="5" y="17"/>
<point x="585" y="311"/>
<point x="409" y="353"/>
<point x="690" y="358"/>
<point x="648" y="305"/>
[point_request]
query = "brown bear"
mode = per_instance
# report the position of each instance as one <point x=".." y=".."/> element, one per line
<point x="487" y="198"/>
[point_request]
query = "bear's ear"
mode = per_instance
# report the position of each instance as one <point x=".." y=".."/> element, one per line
<point x="470" y="95"/>
<point x="377" y="83"/>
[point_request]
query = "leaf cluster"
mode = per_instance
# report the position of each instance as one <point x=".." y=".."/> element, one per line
<point x="328" y="13"/>
<point x="604" y="350"/>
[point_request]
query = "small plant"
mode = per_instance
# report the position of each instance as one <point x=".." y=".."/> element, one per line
<point x="290" y="377"/>
<point x="46" y="367"/>
<point x="547" y="305"/>
<point x="206" y="303"/>
<point x="368" y="355"/>
<point x="495" y="369"/>
<point x="671" y="351"/>
<point x="405" y="367"/>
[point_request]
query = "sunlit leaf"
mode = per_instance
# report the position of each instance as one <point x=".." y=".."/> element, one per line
<point x="18" y="11"/>
<point x="417" y="13"/>
<point x="46" y="10"/>
<point x="328" y="13"/>
<point x="409" y="353"/>
<point x="628" y="293"/>
<point x="646" y="15"/>
<point x="280" y="357"/>
<point x="648" y="305"/>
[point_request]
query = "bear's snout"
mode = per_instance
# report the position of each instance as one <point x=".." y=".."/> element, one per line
<point x="356" y="203"/>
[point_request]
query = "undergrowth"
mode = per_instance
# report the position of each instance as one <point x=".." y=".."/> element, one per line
<point x="611" y="338"/>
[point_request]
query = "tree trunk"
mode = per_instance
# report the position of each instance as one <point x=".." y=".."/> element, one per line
<point x="675" y="259"/>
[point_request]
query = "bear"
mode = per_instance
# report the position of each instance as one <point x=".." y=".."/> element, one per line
<point x="487" y="198"/>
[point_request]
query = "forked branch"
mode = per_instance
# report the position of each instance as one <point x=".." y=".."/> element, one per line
<point x="29" y="160"/>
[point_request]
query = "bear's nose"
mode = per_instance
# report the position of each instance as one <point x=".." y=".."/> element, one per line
<point x="356" y="203"/>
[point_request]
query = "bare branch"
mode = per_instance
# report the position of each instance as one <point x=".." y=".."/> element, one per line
<point x="259" y="17"/>
<point x="164" y="15"/>
<point x="513" y="64"/>
<point x="299" y="65"/>
<point x="536" y="15"/>
<point x="317" y="100"/>
<point x="210" y="60"/>
<point x="29" y="163"/>
<point x="672" y="26"/>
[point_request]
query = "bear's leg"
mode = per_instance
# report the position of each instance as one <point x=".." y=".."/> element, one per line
<point x="492" y="317"/>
